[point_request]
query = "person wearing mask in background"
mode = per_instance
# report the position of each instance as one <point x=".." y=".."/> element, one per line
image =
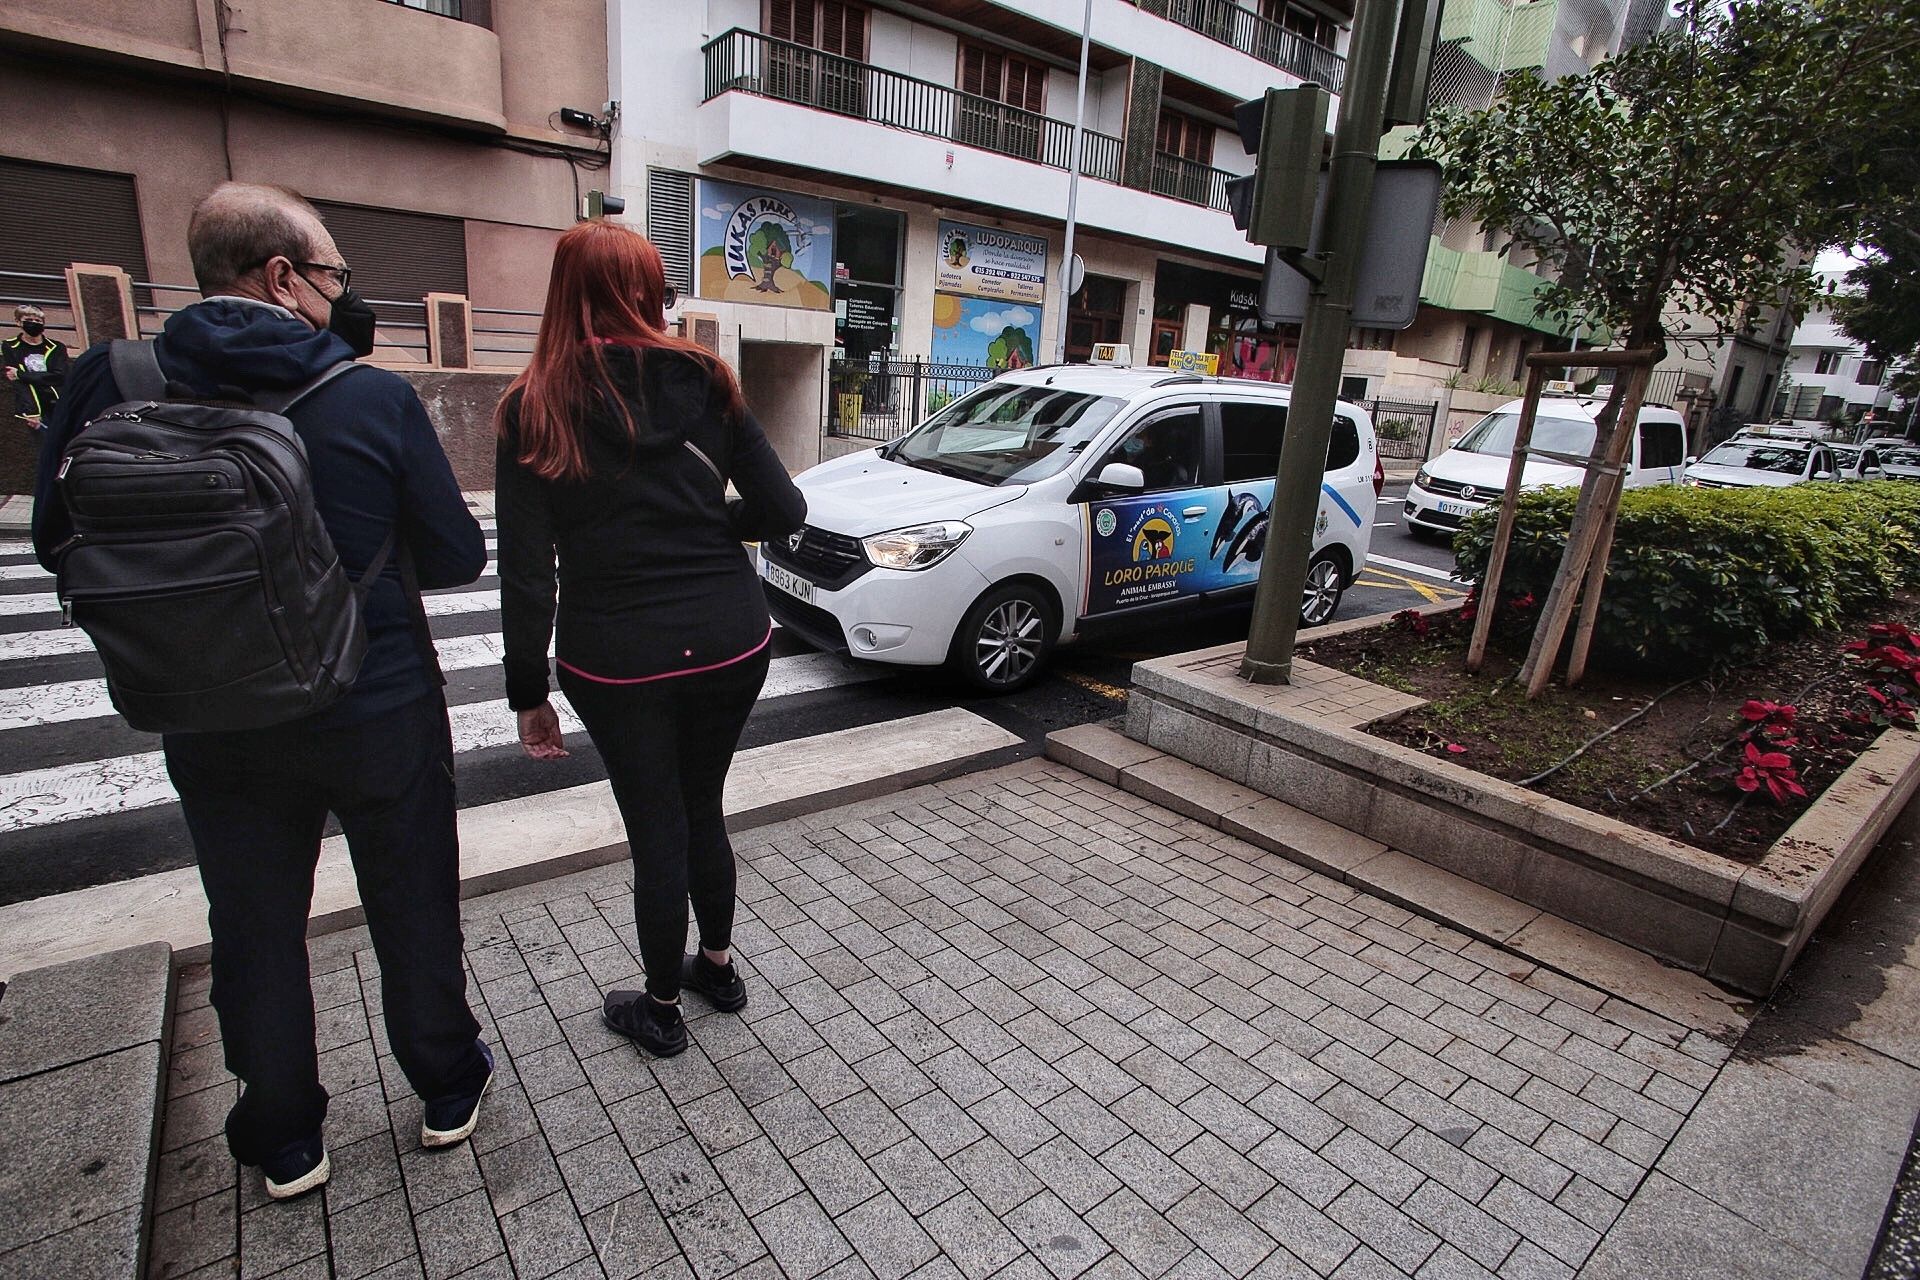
<point x="35" y="364"/>
<point x="616" y="449"/>
<point x="278" y="310"/>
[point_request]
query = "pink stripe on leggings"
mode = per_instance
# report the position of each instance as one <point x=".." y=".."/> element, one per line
<point x="668" y="675"/>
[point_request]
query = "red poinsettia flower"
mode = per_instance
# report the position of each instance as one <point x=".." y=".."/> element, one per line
<point x="1772" y="769"/>
<point x="1775" y="713"/>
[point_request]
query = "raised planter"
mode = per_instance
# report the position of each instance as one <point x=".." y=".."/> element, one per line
<point x="1306" y="744"/>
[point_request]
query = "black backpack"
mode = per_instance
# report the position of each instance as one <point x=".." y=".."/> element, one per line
<point x="198" y="565"/>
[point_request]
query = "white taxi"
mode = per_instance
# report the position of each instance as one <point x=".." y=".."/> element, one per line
<point x="1051" y="501"/>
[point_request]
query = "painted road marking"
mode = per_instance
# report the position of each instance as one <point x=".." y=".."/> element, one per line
<point x="1407" y="566"/>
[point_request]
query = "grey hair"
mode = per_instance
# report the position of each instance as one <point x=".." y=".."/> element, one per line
<point x="239" y="225"/>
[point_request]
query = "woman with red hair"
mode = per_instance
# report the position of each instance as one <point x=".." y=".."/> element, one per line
<point x="616" y="447"/>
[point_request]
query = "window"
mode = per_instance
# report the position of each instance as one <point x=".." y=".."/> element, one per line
<point x="866" y="286"/>
<point x="1353" y="387"/>
<point x="1468" y="342"/>
<point x="826" y="25"/>
<point x="52" y="216"/>
<point x="1871" y="371"/>
<point x="1827" y="362"/>
<point x="1662" y="444"/>
<point x="478" y="12"/>
<point x="1371" y="340"/>
<point x="1167" y="450"/>
<point x="1299" y="20"/>
<point x="1520" y="352"/>
<point x="1183" y="136"/>
<point x="1250" y="436"/>
<point x="670" y="225"/>
<point x="1005" y="96"/>
<point x="830" y="83"/>
<point x="399" y="257"/>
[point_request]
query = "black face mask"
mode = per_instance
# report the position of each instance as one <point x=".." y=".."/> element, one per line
<point x="32" y="328"/>
<point x="353" y="320"/>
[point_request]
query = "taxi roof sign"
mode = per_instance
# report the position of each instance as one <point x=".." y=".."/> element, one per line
<point x="1114" y="353"/>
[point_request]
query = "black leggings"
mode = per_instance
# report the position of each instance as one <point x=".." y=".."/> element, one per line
<point x="667" y="745"/>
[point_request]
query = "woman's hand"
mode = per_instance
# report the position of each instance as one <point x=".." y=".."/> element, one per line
<point x="540" y="735"/>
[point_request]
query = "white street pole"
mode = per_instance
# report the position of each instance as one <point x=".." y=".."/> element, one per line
<point x="1073" y="185"/>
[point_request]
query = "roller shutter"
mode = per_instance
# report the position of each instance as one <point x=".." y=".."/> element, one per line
<point x="399" y="257"/>
<point x="52" y="216"/>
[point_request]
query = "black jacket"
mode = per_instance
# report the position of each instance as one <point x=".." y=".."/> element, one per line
<point x="35" y="391"/>
<point x="652" y="577"/>
<point x="374" y="456"/>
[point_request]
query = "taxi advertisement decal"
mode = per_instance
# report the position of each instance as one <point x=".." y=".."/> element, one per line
<point x="1155" y="549"/>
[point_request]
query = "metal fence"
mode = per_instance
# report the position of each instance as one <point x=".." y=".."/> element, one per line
<point x="503" y="338"/>
<point x="1245" y="30"/>
<point x="748" y="62"/>
<point x="1404" y="428"/>
<point x="1189" y="180"/>
<point x="884" y="399"/>
<point x="49" y="293"/>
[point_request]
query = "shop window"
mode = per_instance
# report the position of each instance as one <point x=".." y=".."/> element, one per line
<point x="866" y="283"/>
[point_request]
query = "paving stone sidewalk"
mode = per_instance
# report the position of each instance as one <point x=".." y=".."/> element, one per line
<point x="1019" y="1024"/>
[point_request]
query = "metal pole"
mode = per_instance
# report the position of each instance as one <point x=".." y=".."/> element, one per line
<point x="1323" y="344"/>
<point x="1073" y="186"/>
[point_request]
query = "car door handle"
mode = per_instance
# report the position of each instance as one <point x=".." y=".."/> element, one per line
<point x="1194" y="513"/>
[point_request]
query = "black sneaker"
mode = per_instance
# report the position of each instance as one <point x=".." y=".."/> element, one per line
<point x="297" y="1168"/>
<point x="720" y="984"/>
<point x="657" y="1028"/>
<point x="450" y="1121"/>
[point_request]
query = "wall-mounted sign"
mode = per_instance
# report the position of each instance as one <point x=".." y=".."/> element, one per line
<point x="765" y="246"/>
<point x="999" y="335"/>
<point x="984" y="262"/>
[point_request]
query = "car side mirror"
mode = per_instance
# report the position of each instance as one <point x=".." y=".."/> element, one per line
<point x="1823" y="475"/>
<point x="1692" y="458"/>
<point x="1121" y="475"/>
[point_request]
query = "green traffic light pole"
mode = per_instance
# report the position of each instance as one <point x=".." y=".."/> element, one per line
<point x="1323" y="344"/>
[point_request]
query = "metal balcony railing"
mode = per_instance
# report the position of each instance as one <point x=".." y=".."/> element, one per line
<point x="1189" y="180"/>
<point x="748" y="62"/>
<point x="1273" y="44"/>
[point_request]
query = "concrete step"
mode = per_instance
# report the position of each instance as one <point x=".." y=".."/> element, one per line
<point x="1333" y="851"/>
<point x="82" y="1061"/>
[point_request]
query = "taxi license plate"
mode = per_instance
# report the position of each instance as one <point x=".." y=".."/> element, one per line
<point x="791" y="583"/>
<point x="1456" y="508"/>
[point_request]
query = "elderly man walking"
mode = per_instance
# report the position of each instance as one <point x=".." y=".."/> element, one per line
<point x="278" y="311"/>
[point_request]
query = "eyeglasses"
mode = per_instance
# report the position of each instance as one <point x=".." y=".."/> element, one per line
<point x="343" y="274"/>
<point x="670" y="298"/>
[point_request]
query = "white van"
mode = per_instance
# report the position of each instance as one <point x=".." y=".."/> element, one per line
<point x="1473" y="472"/>
<point x="1052" y="500"/>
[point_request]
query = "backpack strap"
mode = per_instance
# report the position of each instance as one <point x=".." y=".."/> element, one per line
<point x="136" y="369"/>
<point x="701" y="454"/>
<point x="281" y="402"/>
<point x="410" y="593"/>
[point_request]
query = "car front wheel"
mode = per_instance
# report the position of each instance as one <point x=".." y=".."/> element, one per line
<point x="1004" y="640"/>
<point x="1325" y="585"/>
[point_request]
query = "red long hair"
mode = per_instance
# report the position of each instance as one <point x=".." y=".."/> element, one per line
<point x="607" y="287"/>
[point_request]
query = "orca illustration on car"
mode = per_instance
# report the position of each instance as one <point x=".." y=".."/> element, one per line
<point x="1052" y="501"/>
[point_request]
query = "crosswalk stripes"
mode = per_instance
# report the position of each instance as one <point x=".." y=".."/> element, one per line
<point x="72" y="774"/>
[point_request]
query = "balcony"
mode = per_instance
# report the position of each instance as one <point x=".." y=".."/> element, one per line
<point x="1245" y="30"/>
<point x="1501" y="35"/>
<point x="1484" y="283"/>
<point x="1190" y="181"/>
<point x="747" y="62"/>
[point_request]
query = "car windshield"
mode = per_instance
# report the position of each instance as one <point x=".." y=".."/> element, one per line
<point x="1901" y="458"/>
<point x="1759" y="457"/>
<point x="1494" y="434"/>
<point x="1006" y="433"/>
<point x="1847" y="459"/>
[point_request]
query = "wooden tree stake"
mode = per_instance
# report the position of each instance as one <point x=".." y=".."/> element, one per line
<point x="1614" y="484"/>
<point x="1503" y="534"/>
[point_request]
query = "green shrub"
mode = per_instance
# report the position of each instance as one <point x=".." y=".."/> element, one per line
<point x="1716" y="575"/>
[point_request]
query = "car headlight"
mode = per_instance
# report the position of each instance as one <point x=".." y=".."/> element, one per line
<point x="1421" y="478"/>
<point x="921" y="547"/>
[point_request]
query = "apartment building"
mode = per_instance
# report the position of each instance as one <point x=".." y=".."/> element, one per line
<point x="427" y="131"/>
<point x="1828" y="373"/>
<point x="839" y="188"/>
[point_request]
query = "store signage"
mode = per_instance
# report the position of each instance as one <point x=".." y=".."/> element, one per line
<point x="985" y="262"/>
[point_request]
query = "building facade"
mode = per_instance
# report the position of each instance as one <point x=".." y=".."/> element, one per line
<point x="845" y="190"/>
<point x="427" y="131"/>
<point x="1828" y="374"/>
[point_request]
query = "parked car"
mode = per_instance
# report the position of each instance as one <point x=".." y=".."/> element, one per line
<point x="1857" y="462"/>
<point x="1901" y="462"/>
<point x="1752" y="462"/>
<point x="1473" y="472"/>
<point x="1052" y="501"/>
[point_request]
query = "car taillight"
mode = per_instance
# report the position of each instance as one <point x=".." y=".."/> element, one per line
<point x="1379" y="476"/>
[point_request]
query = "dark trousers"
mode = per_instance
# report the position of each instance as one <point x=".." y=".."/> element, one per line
<point x="667" y="745"/>
<point x="256" y="803"/>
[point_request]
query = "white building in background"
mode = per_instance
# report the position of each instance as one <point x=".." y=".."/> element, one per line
<point x="863" y="180"/>
<point x="1827" y="372"/>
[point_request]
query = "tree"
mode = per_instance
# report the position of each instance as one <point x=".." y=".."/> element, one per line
<point x="1881" y="305"/>
<point x="1696" y="173"/>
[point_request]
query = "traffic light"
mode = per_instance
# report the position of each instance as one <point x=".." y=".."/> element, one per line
<point x="598" y="204"/>
<point x="1413" y="62"/>
<point x="1286" y="132"/>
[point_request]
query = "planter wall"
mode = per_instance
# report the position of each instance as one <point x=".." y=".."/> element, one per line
<point x="1739" y="925"/>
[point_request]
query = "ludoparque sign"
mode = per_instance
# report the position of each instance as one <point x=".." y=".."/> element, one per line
<point x="984" y="262"/>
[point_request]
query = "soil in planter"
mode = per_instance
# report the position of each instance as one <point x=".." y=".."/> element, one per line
<point x="1485" y="722"/>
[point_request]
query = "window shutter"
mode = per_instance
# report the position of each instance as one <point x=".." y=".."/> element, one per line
<point x="52" y="216"/>
<point x="973" y="71"/>
<point x="670" y="225"/>
<point x="833" y="27"/>
<point x="399" y="256"/>
<point x="804" y="29"/>
<point x="780" y="18"/>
